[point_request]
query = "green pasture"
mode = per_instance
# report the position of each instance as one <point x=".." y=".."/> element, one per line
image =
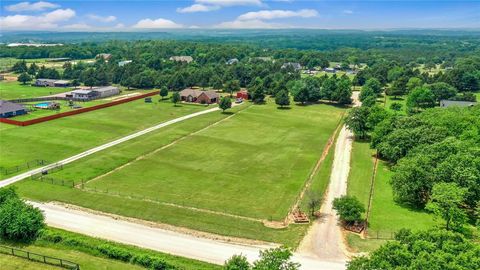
<point x="253" y="164"/>
<point x="16" y="90"/>
<point x="386" y="215"/>
<point x="61" y="138"/>
<point x="361" y="170"/>
<point x="211" y="155"/>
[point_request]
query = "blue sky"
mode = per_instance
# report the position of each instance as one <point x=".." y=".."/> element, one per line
<point x="128" y="15"/>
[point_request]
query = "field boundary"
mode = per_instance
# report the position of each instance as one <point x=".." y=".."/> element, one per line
<point x="370" y="196"/>
<point x="315" y="169"/>
<point x="35" y="257"/>
<point x="161" y="148"/>
<point x="75" y="112"/>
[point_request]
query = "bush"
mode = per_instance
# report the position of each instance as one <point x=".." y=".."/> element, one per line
<point x="349" y="208"/>
<point x="18" y="221"/>
<point x="107" y="249"/>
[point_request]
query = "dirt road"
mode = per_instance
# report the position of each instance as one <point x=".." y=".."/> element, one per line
<point x="213" y="251"/>
<point x="24" y="175"/>
<point x="324" y="239"/>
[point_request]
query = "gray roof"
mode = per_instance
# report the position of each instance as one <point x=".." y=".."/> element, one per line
<point x="62" y="82"/>
<point x="104" y="88"/>
<point x="296" y="66"/>
<point x="182" y="58"/>
<point x="232" y="61"/>
<point x="81" y="92"/>
<point x="457" y="103"/>
<point x="7" y="106"/>
<point x="47" y="80"/>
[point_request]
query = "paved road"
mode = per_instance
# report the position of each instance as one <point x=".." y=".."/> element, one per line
<point x="324" y="239"/>
<point x="127" y="232"/>
<point x="24" y="175"/>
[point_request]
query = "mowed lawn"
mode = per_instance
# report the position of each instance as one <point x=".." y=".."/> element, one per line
<point x="16" y="90"/>
<point x="64" y="137"/>
<point x="253" y="164"/>
<point x="386" y="216"/>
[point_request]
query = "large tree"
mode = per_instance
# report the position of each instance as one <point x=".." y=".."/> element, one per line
<point x="446" y="202"/>
<point x="434" y="249"/>
<point x="18" y="221"/>
<point x="356" y="121"/>
<point x="24" y="78"/>
<point x="282" y="99"/>
<point x="349" y="209"/>
<point x="225" y="103"/>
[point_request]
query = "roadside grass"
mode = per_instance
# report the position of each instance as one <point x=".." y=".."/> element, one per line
<point x="243" y="166"/>
<point x="386" y="215"/>
<point x="9" y="262"/>
<point x="17" y="90"/>
<point x="361" y="170"/>
<point x="61" y="138"/>
<point x="389" y="216"/>
<point x="81" y="249"/>
<point x="357" y="244"/>
<point x="181" y="217"/>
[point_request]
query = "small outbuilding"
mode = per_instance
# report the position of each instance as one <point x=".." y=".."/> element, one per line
<point x="456" y="103"/>
<point x="181" y="58"/>
<point x="295" y="66"/>
<point x="232" y="61"/>
<point x="123" y="63"/>
<point x="10" y="109"/>
<point x="52" y="83"/>
<point x="243" y="94"/>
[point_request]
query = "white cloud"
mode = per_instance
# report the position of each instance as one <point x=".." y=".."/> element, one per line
<point x="158" y="23"/>
<point x="277" y="14"/>
<point x="347" y="11"/>
<point x="229" y="3"/>
<point x="249" y="24"/>
<point x="119" y="25"/>
<point x="210" y="5"/>
<point x="43" y="21"/>
<point x="197" y="8"/>
<point x="27" y="6"/>
<point x="105" y="19"/>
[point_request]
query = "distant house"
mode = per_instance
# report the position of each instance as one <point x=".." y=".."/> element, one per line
<point x="83" y="94"/>
<point x="181" y="58"/>
<point x="330" y="70"/>
<point x="232" y="61"/>
<point x="295" y="66"/>
<point x="105" y="56"/>
<point x="266" y="59"/>
<point x="10" y="109"/>
<point x="197" y="96"/>
<point x="52" y="83"/>
<point x="94" y="93"/>
<point x="454" y="103"/>
<point x="123" y="63"/>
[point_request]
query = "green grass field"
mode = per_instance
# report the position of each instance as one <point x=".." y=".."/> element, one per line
<point x="60" y="138"/>
<point x="386" y="216"/>
<point x="221" y="165"/>
<point x="361" y="170"/>
<point x="16" y="90"/>
<point x="230" y="166"/>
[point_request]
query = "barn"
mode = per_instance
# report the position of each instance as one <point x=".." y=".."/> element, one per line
<point x="10" y="109"/>
<point x="243" y="94"/>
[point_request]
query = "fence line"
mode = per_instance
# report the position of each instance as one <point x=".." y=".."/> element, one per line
<point x="39" y="258"/>
<point x="26" y="165"/>
<point x="381" y="235"/>
<point x="74" y="112"/>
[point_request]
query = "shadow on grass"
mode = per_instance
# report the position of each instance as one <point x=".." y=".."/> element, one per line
<point x="284" y="108"/>
<point x="228" y="113"/>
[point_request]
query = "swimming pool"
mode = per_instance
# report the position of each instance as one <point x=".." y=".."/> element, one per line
<point x="43" y="105"/>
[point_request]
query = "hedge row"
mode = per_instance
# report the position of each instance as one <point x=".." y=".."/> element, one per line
<point x="108" y="250"/>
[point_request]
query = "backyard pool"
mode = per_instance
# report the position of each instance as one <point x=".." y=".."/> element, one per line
<point x="43" y="105"/>
<point x="47" y="105"/>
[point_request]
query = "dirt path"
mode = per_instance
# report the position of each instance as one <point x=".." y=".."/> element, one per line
<point x="142" y="235"/>
<point x="324" y="240"/>
<point x="24" y="175"/>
